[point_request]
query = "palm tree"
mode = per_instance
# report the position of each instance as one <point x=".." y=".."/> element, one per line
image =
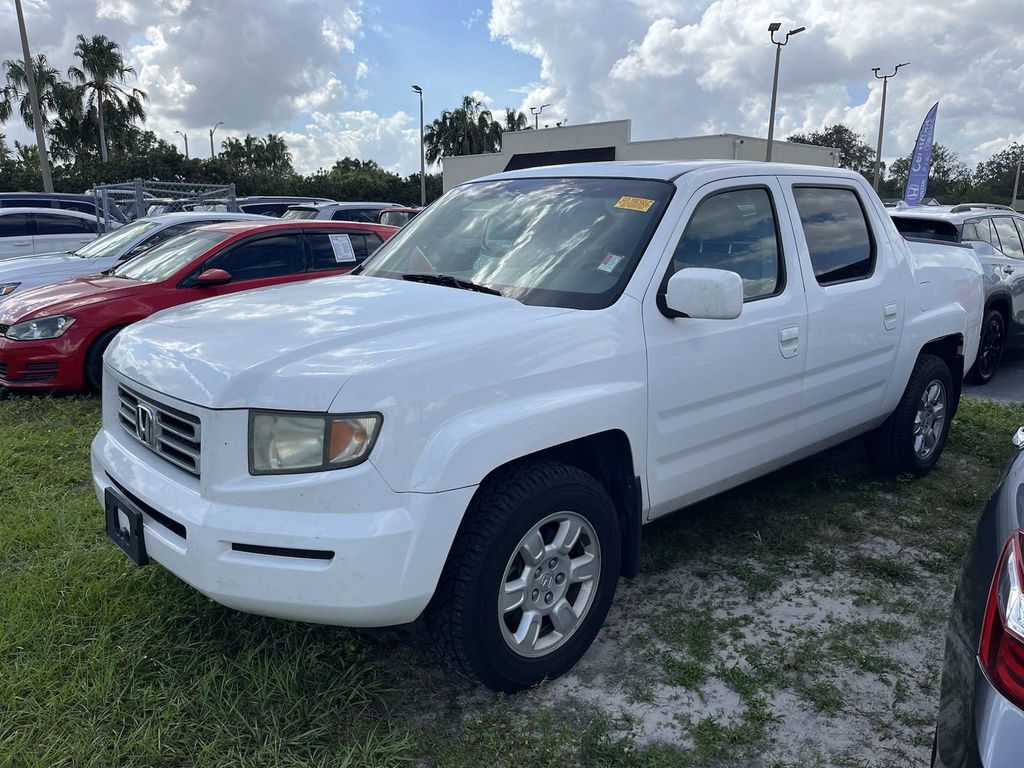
<point x="5" y="153"/>
<point x="469" y="129"/>
<point x="99" y="80"/>
<point x="515" y="120"/>
<point x="276" y="156"/>
<point x="15" y="91"/>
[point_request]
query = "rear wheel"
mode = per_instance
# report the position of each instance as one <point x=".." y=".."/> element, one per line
<point x="530" y="578"/>
<point x="912" y="438"/>
<point x="94" y="359"/>
<point x="990" y="350"/>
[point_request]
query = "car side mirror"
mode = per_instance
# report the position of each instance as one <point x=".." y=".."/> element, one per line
<point x="212" y="277"/>
<point x="701" y="293"/>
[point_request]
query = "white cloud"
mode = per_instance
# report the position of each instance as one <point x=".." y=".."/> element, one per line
<point x="473" y="18"/>
<point x="393" y="141"/>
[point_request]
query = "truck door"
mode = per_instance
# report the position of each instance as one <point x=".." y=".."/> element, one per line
<point x="855" y="306"/>
<point x="724" y="394"/>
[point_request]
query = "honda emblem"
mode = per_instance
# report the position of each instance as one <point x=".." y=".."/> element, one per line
<point x="145" y="423"/>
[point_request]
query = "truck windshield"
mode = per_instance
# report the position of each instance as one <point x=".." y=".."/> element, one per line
<point x="162" y="261"/>
<point x="566" y="242"/>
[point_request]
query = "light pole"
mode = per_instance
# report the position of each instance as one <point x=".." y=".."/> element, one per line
<point x="772" y="29"/>
<point x="881" y="119"/>
<point x="423" y="162"/>
<point x="213" y="154"/>
<point x="1016" y="181"/>
<point x="535" y="111"/>
<point x="185" y="137"/>
<point x="33" y="96"/>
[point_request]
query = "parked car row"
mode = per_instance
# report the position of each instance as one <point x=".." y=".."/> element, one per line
<point x="474" y="426"/>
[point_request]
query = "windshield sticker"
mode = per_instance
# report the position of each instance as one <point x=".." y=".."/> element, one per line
<point x="641" y="204"/>
<point x="343" y="253"/>
<point x="610" y="262"/>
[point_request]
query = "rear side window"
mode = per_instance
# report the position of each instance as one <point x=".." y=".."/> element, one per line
<point x="27" y="202"/>
<point x="75" y="205"/>
<point x="267" y="257"/>
<point x="735" y="230"/>
<point x="54" y="224"/>
<point x="836" y="230"/>
<point x="932" y="229"/>
<point x="14" y="225"/>
<point x="355" y="214"/>
<point x="329" y="251"/>
<point x="1009" y="238"/>
<point x="265" y="209"/>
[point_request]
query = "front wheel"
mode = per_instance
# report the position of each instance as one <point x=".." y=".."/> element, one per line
<point x="530" y="578"/>
<point x="990" y="350"/>
<point x="912" y="438"/>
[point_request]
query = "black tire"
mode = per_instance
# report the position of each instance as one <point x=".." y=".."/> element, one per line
<point x="990" y="348"/>
<point x="94" y="359"/>
<point x="893" y="446"/>
<point x="463" y="617"/>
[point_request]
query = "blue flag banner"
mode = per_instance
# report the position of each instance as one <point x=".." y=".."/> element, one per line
<point x="921" y="160"/>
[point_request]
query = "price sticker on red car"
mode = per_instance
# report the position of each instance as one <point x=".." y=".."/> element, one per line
<point x="343" y="252"/>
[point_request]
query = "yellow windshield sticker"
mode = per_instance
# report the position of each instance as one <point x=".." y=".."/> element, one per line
<point x="641" y="204"/>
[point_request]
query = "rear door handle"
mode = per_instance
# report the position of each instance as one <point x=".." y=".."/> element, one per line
<point x="25" y="242"/>
<point x="1008" y="269"/>
<point x="789" y="340"/>
<point x="889" y="316"/>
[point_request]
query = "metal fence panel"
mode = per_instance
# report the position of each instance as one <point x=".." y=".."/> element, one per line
<point x="138" y="198"/>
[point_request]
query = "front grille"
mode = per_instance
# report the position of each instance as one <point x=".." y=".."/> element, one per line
<point x="169" y="433"/>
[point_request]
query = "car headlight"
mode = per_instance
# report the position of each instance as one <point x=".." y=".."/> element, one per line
<point x="40" y="328"/>
<point x="287" y="443"/>
<point x="6" y="289"/>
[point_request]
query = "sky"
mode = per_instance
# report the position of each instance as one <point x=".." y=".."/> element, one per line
<point x="333" y="76"/>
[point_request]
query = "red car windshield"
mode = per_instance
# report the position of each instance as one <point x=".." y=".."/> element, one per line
<point x="162" y="261"/>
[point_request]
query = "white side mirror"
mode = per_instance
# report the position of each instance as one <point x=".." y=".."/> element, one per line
<point x="708" y="294"/>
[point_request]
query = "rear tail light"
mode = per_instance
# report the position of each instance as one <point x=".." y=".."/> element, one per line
<point x="1002" y="635"/>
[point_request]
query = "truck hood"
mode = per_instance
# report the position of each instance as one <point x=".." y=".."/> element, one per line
<point x="294" y="346"/>
<point x="66" y="296"/>
<point x="50" y="268"/>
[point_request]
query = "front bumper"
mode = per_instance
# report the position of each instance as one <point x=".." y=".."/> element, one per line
<point x="335" y="547"/>
<point x="41" y="364"/>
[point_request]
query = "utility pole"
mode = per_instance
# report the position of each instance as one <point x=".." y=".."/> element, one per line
<point x="213" y="153"/>
<point x="881" y="119"/>
<point x="33" y="96"/>
<point x="774" y="27"/>
<point x="423" y="162"/>
<point x="535" y="111"/>
<point x="1016" y="181"/>
<point x="185" y="137"/>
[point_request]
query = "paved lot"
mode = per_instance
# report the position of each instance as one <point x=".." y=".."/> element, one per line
<point x="1008" y="384"/>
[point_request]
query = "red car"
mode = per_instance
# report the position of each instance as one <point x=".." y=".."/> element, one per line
<point x="53" y="337"/>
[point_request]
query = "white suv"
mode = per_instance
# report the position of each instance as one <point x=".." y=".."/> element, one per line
<point x="338" y="211"/>
<point x="27" y="231"/>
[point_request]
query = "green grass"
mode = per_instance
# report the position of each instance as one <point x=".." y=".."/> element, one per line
<point x="102" y="663"/>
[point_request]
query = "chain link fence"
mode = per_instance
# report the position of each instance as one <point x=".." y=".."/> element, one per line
<point x="139" y="198"/>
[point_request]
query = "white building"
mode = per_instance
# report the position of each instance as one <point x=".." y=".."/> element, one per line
<point x="610" y="141"/>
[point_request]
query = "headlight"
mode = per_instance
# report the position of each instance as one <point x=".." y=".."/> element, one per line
<point x="284" y="443"/>
<point x="6" y="289"/>
<point x="41" y="328"/>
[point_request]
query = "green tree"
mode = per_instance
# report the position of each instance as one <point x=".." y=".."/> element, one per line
<point x="15" y="92"/>
<point x="515" y="121"/>
<point x="993" y="178"/>
<point x="101" y="79"/>
<point x="469" y="129"/>
<point x="5" y="152"/>
<point x="949" y="178"/>
<point x="857" y="154"/>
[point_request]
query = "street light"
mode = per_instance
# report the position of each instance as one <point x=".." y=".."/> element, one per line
<point x="535" y="111"/>
<point x="213" y="154"/>
<point x="773" y="28"/>
<point x="881" y="119"/>
<point x="185" y="137"/>
<point x="33" y="97"/>
<point x="423" y="162"/>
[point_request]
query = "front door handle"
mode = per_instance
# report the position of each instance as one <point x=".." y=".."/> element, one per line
<point x="23" y="243"/>
<point x="789" y="340"/>
<point x="1008" y="270"/>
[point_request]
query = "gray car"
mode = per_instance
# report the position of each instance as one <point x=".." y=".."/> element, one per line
<point x="981" y="708"/>
<point x="995" y="232"/>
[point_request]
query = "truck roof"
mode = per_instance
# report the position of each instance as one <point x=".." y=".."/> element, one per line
<point x="669" y="170"/>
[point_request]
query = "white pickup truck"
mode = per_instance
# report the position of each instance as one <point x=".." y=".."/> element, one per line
<point x="475" y="427"/>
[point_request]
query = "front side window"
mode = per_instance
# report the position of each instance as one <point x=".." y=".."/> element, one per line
<point x="1009" y="238"/>
<point x="55" y="224"/>
<point x="838" y="239"/>
<point x="735" y="230"/>
<point x="258" y="259"/>
<point x="166" y="259"/>
<point x="560" y="242"/>
<point x="355" y="214"/>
